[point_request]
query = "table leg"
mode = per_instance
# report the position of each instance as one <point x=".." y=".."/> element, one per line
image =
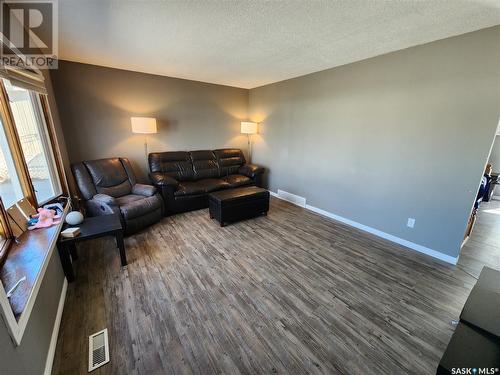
<point x="72" y="251"/>
<point x="121" y="246"/>
<point x="66" y="262"/>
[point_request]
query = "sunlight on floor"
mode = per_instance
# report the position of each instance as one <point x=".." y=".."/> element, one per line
<point x="495" y="211"/>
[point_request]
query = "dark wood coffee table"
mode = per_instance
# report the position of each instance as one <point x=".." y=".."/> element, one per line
<point x="91" y="227"/>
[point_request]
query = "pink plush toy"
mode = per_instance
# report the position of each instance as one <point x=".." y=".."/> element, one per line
<point x="46" y="218"/>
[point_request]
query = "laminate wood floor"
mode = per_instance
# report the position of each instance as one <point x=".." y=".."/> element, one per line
<point x="290" y="293"/>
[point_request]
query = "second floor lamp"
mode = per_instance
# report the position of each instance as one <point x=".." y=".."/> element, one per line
<point x="249" y="128"/>
<point x="144" y="125"/>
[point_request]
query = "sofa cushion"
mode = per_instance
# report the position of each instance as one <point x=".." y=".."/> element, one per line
<point x="204" y="164"/>
<point x="237" y="180"/>
<point x="109" y="177"/>
<point x="176" y="164"/>
<point x="132" y="206"/>
<point x="126" y="199"/>
<point x="229" y="160"/>
<point x="204" y="186"/>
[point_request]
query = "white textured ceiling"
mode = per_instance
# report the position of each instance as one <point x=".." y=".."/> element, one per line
<point x="253" y="43"/>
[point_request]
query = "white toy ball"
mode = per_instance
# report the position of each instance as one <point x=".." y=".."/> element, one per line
<point x="74" y="218"/>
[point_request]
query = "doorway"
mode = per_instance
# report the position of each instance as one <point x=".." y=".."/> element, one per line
<point x="482" y="237"/>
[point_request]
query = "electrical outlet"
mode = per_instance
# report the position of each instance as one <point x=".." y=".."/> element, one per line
<point x="411" y="222"/>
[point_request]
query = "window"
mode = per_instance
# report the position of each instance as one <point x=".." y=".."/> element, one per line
<point x="31" y="129"/>
<point x="30" y="168"/>
<point x="10" y="187"/>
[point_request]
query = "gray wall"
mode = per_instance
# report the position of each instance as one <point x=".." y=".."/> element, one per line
<point x="495" y="155"/>
<point x="96" y="103"/>
<point x="402" y="135"/>
<point x="30" y="357"/>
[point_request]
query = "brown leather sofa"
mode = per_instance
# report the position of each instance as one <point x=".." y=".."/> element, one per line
<point x="108" y="186"/>
<point x="185" y="178"/>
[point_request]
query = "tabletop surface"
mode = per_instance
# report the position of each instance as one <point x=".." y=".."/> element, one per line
<point x="94" y="227"/>
<point x="237" y="193"/>
<point x="483" y="305"/>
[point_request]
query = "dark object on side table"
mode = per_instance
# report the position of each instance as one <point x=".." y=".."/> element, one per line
<point x="228" y="206"/>
<point x="108" y="186"/>
<point x="186" y="178"/>
<point x="476" y="340"/>
<point x="92" y="227"/>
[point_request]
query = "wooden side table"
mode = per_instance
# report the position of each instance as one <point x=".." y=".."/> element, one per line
<point x="92" y="227"/>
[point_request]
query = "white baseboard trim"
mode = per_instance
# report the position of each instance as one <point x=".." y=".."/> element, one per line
<point x="55" y="331"/>
<point x="292" y="198"/>
<point x="379" y="233"/>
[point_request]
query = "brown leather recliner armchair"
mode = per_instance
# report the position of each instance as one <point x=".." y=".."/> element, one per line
<point x="108" y="186"/>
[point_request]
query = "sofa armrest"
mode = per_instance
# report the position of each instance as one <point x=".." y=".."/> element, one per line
<point x="161" y="179"/>
<point x="250" y="170"/>
<point x="145" y="190"/>
<point x="105" y="199"/>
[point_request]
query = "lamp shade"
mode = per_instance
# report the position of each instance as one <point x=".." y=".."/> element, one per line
<point x="248" y="127"/>
<point x="143" y="125"/>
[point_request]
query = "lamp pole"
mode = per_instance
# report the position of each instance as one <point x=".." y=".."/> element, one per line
<point x="249" y="128"/>
<point x="249" y="148"/>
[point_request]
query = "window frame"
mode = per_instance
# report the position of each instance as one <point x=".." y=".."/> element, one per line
<point x="53" y="143"/>
<point x="51" y="158"/>
<point x="42" y="113"/>
<point x="17" y="326"/>
<point x="6" y="232"/>
<point x="15" y="147"/>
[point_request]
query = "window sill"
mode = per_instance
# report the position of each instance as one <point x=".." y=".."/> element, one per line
<point x="29" y="258"/>
<point x="50" y="200"/>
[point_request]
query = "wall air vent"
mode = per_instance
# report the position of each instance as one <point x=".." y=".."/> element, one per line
<point x="98" y="349"/>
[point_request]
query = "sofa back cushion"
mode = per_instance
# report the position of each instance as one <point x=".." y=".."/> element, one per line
<point x="176" y="164"/>
<point x="229" y="160"/>
<point x="204" y="164"/>
<point x="109" y="177"/>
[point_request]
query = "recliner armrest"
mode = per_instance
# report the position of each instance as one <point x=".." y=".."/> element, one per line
<point x="162" y="179"/>
<point x="104" y="198"/>
<point x="250" y="170"/>
<point x="102" y="204"/>
<point x="145" y="190"/>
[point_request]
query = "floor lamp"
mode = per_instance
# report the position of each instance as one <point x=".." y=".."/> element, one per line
<point x="144" y="125"/>
<point x="249" y="128"/>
